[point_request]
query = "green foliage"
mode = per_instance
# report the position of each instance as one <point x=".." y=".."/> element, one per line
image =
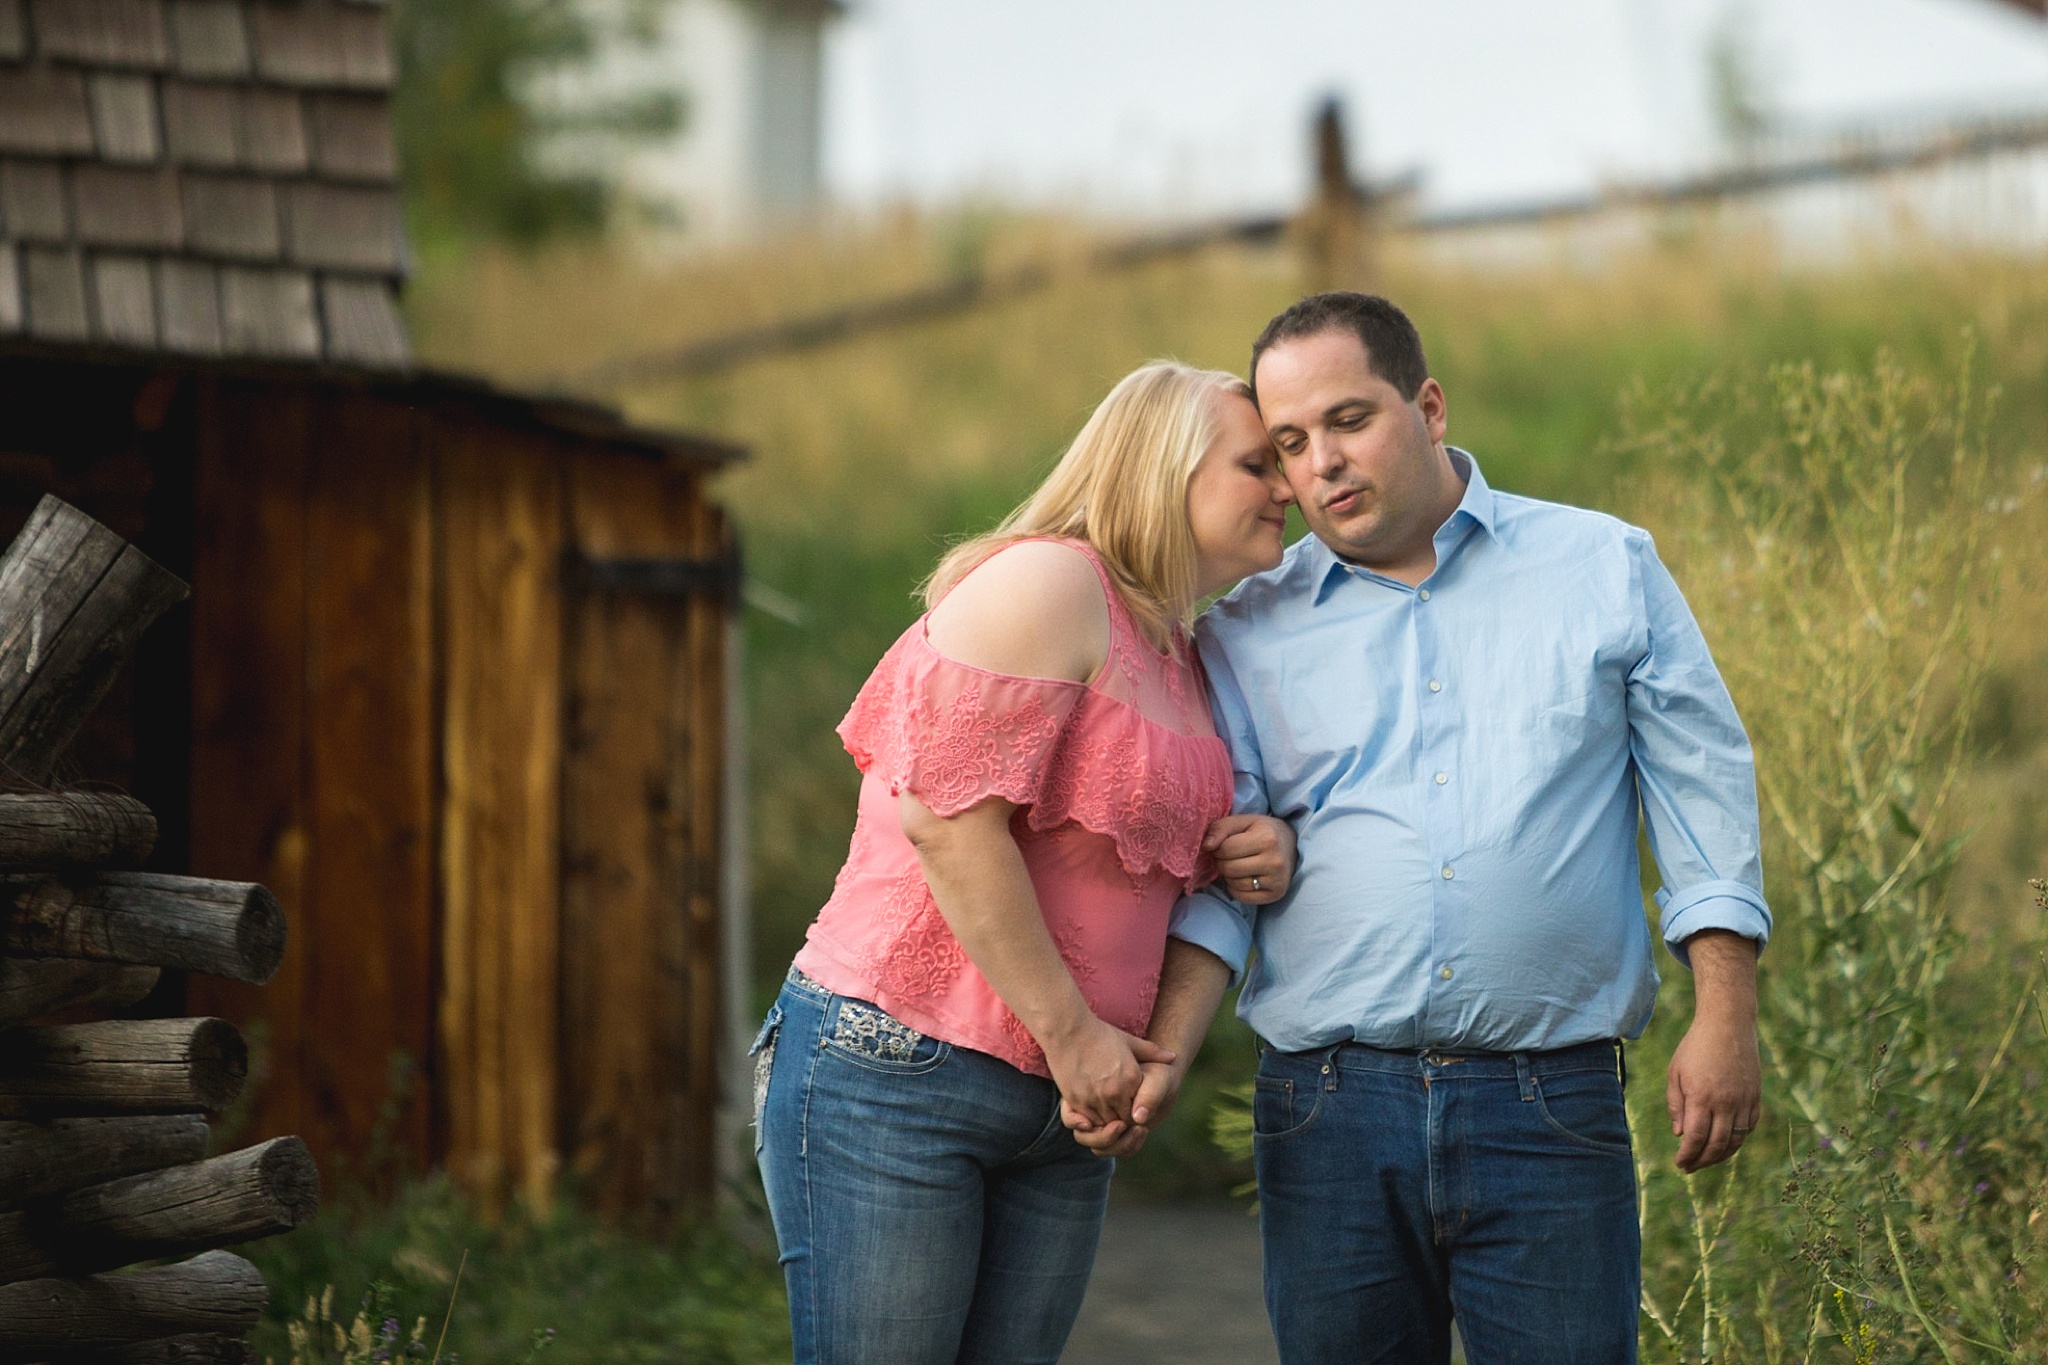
<point x="474" y="128"/>
<point x="563" y="1284"/>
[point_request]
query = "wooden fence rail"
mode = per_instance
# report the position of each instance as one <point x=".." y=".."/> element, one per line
<point x="102" y="1137"/>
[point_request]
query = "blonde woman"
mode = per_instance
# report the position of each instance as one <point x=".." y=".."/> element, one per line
<point x="1041" y="782"/>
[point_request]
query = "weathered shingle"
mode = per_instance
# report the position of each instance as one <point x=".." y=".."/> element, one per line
<point x="124" y="301"/>
<point x="343" y="228"/>
<point x="11" y="318"/>
<point x="352" y="137"/>
<point x="44" y="111"/>
<point x="126" y="33"/>
<point x="234" y="216"/>
<point x="117" y="206"/>
<point x="13" y="31"/>
<point x="188" y="304"/>
<point x="315" y="45"/>
<point x="55" y="291"/>
<point x="210" y="37"/>
<point x="273" y="132"/>
<point x="363" y="325"/>
<point x="33" y="205"/>
<point x="268" y="313"/>
<point x="124" y="117"/>
<point x="199" y="123"/>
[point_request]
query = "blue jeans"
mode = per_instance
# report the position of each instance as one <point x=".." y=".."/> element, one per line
<point x="1398" y="1190"/>
<point x="930" y="1206"/>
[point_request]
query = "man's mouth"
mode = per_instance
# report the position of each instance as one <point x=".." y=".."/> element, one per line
<point x="1347" y="501"/>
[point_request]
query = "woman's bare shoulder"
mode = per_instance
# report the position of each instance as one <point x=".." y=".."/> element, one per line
<point x="1034" y="609"/>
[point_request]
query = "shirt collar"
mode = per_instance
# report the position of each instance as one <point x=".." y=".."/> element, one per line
<point x="1476" y="508"/>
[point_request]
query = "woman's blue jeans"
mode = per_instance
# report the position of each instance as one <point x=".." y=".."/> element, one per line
<point x="930" y="1206"/>
<point x="1400" y="1189"/>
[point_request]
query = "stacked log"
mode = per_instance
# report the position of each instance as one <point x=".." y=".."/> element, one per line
<point x="103" y="1136"/>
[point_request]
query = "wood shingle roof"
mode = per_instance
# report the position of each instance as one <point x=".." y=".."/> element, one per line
<point x="207" y="177"/>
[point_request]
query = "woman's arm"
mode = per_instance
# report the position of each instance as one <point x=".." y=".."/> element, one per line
<point x="1033" y="610"/>
<point x="983" y="890"/>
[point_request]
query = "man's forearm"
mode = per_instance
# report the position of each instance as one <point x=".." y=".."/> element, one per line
<point x="1724" y="976"/>
<point x="1191" y="986"/>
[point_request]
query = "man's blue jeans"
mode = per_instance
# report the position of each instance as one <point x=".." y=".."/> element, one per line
<point x="1398" y="1190"/>
<point x="930" y="1206"/>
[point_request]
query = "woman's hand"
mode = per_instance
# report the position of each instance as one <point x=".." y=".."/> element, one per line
<point x="1254" y="856"/>
<point x="1097" y="1067"/>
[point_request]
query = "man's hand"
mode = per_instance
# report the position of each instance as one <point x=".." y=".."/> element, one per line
<point x="1254" y="856"/>
<point x="1099" y="1069"/>
<point x="1157" y="1092"/>
<point x="1715" y="1088"/>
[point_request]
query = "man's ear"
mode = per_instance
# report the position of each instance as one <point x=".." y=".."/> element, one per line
<point x="1435" y="409"/>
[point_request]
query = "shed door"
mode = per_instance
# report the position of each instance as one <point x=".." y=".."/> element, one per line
<point x="643" y="738"/>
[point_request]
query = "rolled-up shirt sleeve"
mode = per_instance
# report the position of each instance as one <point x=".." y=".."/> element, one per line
<point x="1695" y="772"/>
<point x="1210" y="918"/>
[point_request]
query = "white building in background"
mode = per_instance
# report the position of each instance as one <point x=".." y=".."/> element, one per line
<point x="750" y="154"/>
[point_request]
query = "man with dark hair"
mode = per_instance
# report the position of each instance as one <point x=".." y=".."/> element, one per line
<point x="1466" y="703"/>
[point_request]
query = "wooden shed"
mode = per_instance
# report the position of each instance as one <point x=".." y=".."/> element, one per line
<point x="453" y="679"/>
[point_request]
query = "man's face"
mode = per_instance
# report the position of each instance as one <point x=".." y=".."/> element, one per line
<point x="1365" y="464"/>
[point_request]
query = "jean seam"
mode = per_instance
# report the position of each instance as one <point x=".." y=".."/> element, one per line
<point x="810" y="1206"/>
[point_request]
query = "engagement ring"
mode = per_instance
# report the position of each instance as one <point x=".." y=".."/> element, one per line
<point x="1255" y="883"/>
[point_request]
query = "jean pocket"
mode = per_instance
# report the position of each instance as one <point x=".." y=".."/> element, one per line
<point x="870" y="1036"/>
<point x="763" y="1053"/>
<point x="1280" y="1109"/>
<point x="1586" y="1108"/>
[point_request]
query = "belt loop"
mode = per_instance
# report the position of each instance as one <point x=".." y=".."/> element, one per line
<point x="1525" y="1077"/>
<point x="1621" y="1061"/>
<point x="1331" y="1067"/>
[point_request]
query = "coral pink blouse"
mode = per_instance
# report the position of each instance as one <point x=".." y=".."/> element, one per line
<point x="1115" y="781"/>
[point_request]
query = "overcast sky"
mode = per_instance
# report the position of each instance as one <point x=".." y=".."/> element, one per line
<point x="1200" y="106"/>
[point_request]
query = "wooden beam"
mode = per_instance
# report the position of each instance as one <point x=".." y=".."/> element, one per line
<point x="216" y="1292"/>
<point x="59" y="1155"/>
<point x="501" y="663"/>
<point x="250" y="778"/>
<point x="191" y="1348"/>
<point x="73" y="829"/>
<point x="257" y="1192"/>
<point x="231" y="929"/>
<point x="31" y="987"/>
<point x="74" y="598"/>
<point x="142" y="1066"/>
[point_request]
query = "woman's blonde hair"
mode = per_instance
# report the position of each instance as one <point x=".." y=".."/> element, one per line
<point x="1122" y="486"/>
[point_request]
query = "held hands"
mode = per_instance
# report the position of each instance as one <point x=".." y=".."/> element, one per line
<point x="1157" y="1092"/>
<point x="1252" y="849"/>
<point x="1101" y="1071"/>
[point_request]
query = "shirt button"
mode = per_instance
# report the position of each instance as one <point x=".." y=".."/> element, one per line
<point x="1424" y="594"/>
<point x="1447" y="871"/>
<point x="1435" y="686"/>
<point x="1442" y="778"/>
<point x="1445" y="973"/>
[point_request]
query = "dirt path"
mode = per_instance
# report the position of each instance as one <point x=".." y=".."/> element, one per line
<point x="1175" y="1283"/>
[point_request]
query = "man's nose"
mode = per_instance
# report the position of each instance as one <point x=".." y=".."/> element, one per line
<point x="1323" y="455"/>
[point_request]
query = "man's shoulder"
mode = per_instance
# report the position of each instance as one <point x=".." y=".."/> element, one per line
<point x="1257" y="596"/>
<point x="1561" y="531"/>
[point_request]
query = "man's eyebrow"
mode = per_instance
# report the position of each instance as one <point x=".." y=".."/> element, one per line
<point x="1335" y="408"/>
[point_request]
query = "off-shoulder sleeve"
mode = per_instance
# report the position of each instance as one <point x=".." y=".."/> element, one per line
<point x="952" y="734"/>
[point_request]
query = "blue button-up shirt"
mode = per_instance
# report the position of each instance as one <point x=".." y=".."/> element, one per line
<point x="1463" y="762"/>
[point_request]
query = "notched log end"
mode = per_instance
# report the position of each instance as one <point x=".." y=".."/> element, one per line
<point x="291" y="1179"/>
<point x="220" y="1062"/>
<point x="260" y="935"/>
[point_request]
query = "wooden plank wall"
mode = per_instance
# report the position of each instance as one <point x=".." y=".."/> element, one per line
<point x="501" y="498"/>
<point x="313" y="759"/>
<point x="639" y="936"/>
